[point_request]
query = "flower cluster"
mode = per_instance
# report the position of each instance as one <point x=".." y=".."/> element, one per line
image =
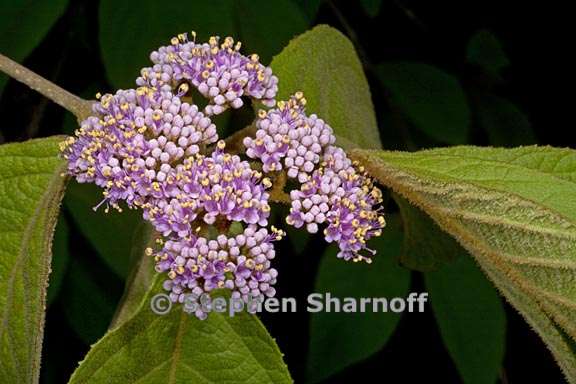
<point x="286" y="133"/>
<point x="340" y="195"/>
<point x="208" y="188"/>
<point x="131" y="144"/>
<point x="333" y="190"/>
<point x="217" y="70"/>
<point x="153" y="149"/>
<point x="239" y="263"/>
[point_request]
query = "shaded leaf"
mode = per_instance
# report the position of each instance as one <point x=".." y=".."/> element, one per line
<point x="24" y="24"/>
<point x="323" y="64"/>
<point x="426" y="247"/>
<point x="338" y="340"/>
<point x="265" y="27"/>
<point x="140" y="26"/>
<point x="310" y="7"/>
<point x="112" y="233"/>
<point x="485" y="50"/>
<point x="31" y="188"/>
<point x="471" y="318"/>
<point x="298" y="238"/>
<point x="372" y="7"/>
<point x="220" y="349"/>
<point x="431" y="99"/>
<point x="88" y="305"/>
<point x="506" y="125"/>
<point x="513" y="209"/>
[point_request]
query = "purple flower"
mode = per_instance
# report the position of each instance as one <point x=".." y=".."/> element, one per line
<point x="217" y="70"/>
<point x="344" y="198"/>
<point x="287" y="138"/>
<point x="134" y="142"/>
<point x="213" y="190"/>
<point x="241" y="263"/>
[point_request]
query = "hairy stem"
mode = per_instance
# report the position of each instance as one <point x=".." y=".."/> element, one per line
<point x="277" y="194"/>
<point x="79" y="107"/>
<point x="234" y="142"/>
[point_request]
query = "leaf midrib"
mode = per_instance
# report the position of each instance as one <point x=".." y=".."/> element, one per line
<point x="177" y="348"/>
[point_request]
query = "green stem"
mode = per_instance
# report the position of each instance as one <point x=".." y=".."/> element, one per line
<point x="79" y="107"/>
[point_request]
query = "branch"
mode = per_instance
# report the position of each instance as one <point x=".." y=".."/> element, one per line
<point x="79" y="107"/>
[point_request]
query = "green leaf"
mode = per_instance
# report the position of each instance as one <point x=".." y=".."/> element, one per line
<point x="112" y="233"/>
<point x="323" y="64"/>
<point x="514" y="211"/>
<point x="140" y="26"/>
<point x="338" y="340"/>
<point x="24" y="25"/>
<point x="431" y="99"/>
<point x="60" y="258"/>
<point x="506" y="125"/>
<point x="310" y="7"/>
<point x="485" y="50"/>
<point x="471" y="318"/>
<point x="31" y="188"/>
<point x="372" y="7"/>
<point x="426" y="247"/>
<point x="560" y="344"/>
<point x="178" y="348"/>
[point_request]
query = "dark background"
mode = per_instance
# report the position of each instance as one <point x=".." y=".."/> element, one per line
<point x="534" y="37"/>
